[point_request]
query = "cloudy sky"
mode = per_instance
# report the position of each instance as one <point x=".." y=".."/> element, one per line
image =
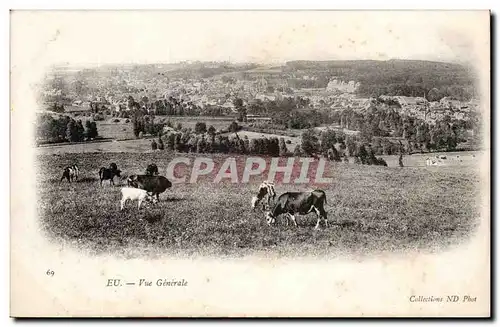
<point x="258" y="36"/>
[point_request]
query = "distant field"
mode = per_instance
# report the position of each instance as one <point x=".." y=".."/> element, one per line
<point x="190" y="121"/>
<point x="118" y="131"/>
<point x="370" y="209"/>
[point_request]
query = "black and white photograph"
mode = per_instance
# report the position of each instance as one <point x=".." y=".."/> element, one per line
<point x="177" y="163"/>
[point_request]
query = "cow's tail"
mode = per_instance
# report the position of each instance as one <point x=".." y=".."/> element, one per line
<point x="100" y="172"/>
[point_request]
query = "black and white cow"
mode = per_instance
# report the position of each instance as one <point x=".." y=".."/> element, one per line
<point x="266" y="189"/>
<point x="152" y="184"/>
<point x="109" y="173"/>
<point x="302" y="203"/>
<point x="70" y="173"/>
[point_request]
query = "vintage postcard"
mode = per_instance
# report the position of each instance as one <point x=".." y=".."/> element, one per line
<point x="250" y="163"/>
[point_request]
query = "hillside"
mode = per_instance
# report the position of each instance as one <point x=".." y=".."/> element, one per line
<point x="396" y="77"/>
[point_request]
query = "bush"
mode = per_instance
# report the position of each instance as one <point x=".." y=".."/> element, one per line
<point x="98" y="117"/>
<point x="310" y="143"/>
<point x="127" y="121"/>
<point x="234" y="127"/>
<point x="116" y="120"/>
<point x="200" y="128"/>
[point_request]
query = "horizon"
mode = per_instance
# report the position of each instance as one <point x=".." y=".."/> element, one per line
<point x="277" y="64"/>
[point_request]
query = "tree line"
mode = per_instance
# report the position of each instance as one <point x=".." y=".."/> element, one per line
<point x="64" y="129"/>
<point x="385" y="121"/>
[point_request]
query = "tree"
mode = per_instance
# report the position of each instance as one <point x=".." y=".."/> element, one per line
<point x="200" y="128"/>
<point x="72" y="131"/>
<point x="178" y="145"/>
<point x="362" y="154"/>
<point x="80" y="131"/>
<point x="234" y="127"/>
<point x="310" y="144"/>
<point x="282" y="148"/>
<point x="333" y="154"/>
<point x="211" y="130"/>
<point x="93" y="130"/>
<point x="242" y="112"/>
<point x="161" y="146"/>
<point x="434" y="95"/>
<point x="296" y="151"/>
<point x="171" y="141"/>
<point x="328" y="140"/>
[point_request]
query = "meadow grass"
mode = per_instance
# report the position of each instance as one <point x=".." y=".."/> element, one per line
<point x="370" y="209"/>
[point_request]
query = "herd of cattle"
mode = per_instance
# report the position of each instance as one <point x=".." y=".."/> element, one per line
<point x="149" y="186"/>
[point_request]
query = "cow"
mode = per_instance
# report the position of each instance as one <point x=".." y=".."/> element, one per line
<point x="152" y="184"/>
<point x="302" y="203"/>
<point x="109" y="173"/>
<point x="131" y="193"/>
<point x="266" y="189"/>
<point x="70" y="173"/>
<point x="152" y="170"/>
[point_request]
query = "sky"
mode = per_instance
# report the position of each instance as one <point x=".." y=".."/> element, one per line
<point x="269" y="37"/>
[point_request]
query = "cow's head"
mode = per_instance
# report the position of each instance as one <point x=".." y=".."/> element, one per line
<point x="118" y="172"/>
<point x="269" y="218"/>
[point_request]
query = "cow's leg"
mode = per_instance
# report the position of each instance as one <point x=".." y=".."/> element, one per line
<point x="321" y="214"/>
<point x="293" y="220"/>
<point x="325" y="217"/>
<point x="122" y="203"/>
<point x="157" y="197"/>
<point x="287" y="221"/>
<point x="139" y="205"/>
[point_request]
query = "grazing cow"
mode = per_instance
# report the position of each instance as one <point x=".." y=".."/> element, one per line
<point x="266" y="189"/>
<point x="70" y="173"/>
<point x="152" y="170"/>
<point x="131" y="193"/>
<point x="109" y="173"/>
<point x="153" y="184"/>
<point x="302" y="203"/>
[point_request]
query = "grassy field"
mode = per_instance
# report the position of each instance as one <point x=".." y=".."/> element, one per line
<point x="370" y="209"/>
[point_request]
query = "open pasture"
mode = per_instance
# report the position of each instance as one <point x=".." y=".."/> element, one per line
<point x="370" y="210"/>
